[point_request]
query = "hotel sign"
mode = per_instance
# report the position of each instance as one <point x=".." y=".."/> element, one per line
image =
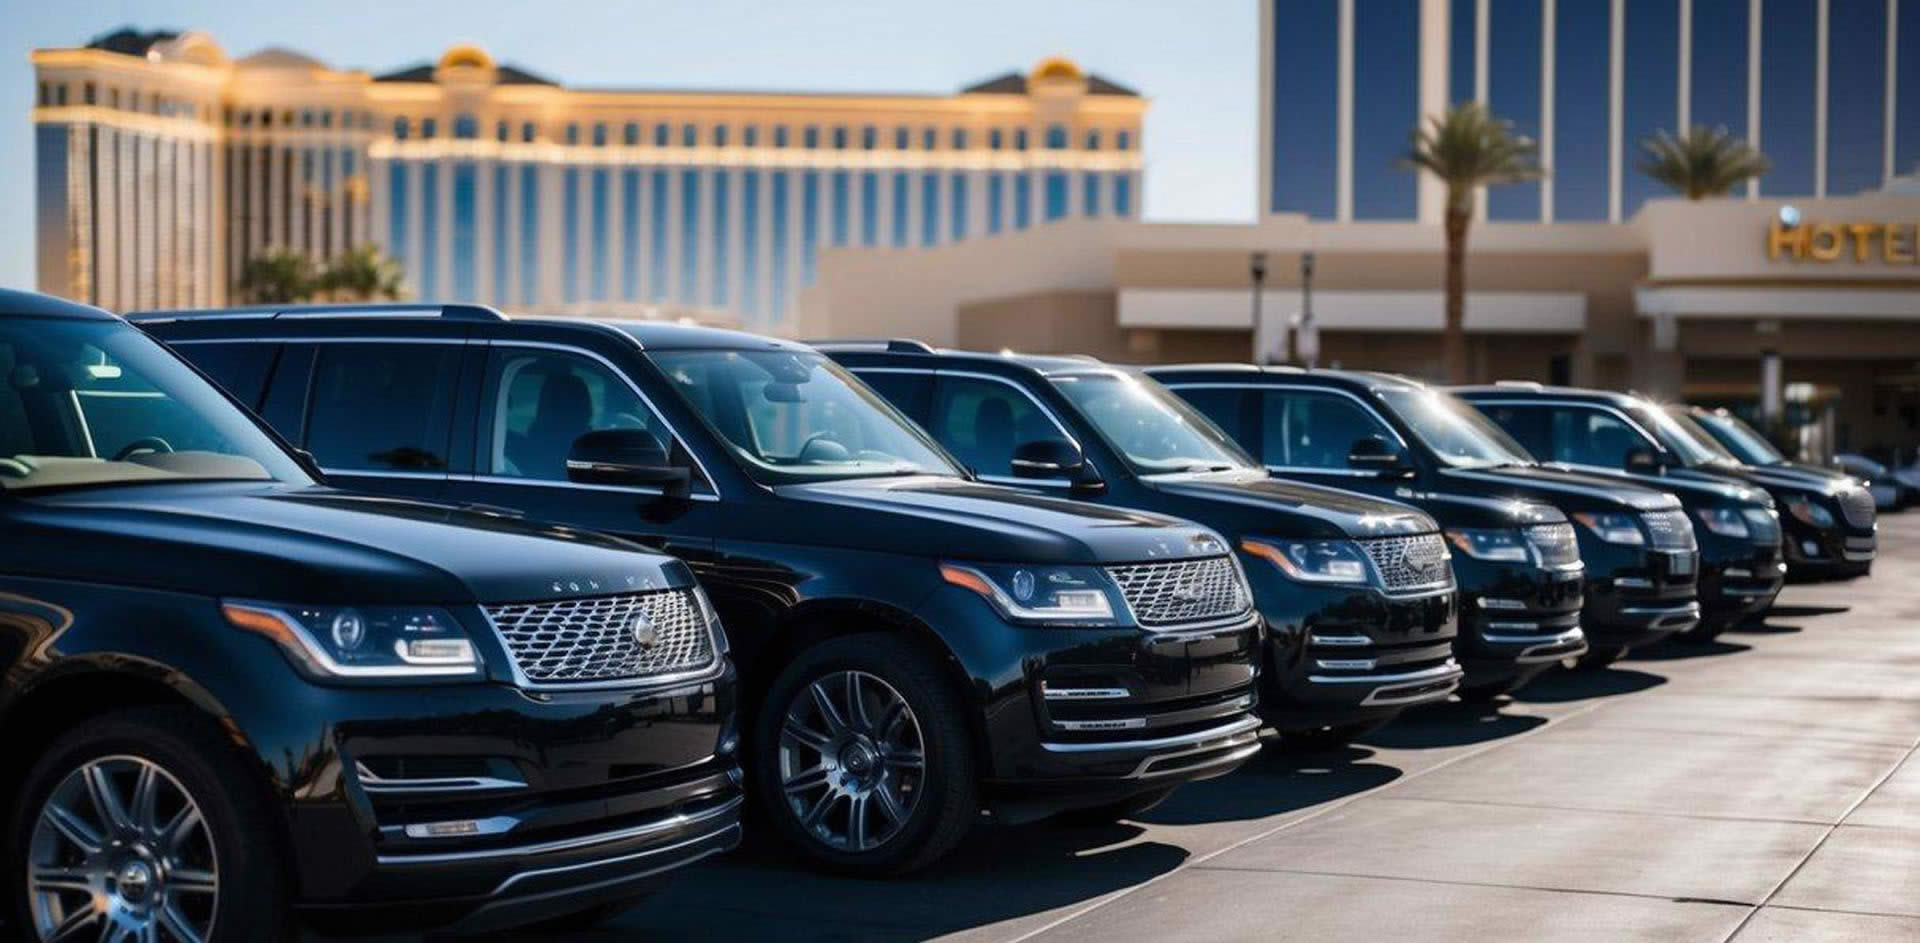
<point x="1796" y="240"/>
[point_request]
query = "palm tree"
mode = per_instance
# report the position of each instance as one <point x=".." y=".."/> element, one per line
<point x="1467" y="148"/>
<point x="363" y="273"/>
<point x="1701" y="163"/>
<point x="277" y="276"/>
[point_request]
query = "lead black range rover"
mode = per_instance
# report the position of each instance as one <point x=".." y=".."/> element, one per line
<point x="1516" y="553"/>
<point x="913" y="644"/>
<point x="1629" y="439"/>
<point x="1356" y="592"/>
<point x="232" y="693"/>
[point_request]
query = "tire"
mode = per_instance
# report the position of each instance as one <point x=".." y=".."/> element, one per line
<point x="183" y="755"/>
<point x="816" y="767"/>
<point x="1112" y="812"/>
<point x="1601" y="656"/>
<point x="1330" y="738"/>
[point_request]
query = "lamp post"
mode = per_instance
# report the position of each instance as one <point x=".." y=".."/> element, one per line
<point x="1257" y="269"/>
<point x="1306" y="339"/>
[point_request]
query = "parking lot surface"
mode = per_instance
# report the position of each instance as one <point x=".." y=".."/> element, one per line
<point x="1764" y="787"/>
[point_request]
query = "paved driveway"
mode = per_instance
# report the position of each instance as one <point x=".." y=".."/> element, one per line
<point x="1761" y="788"/>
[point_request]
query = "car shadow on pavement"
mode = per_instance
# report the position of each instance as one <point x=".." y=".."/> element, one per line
<point x="1276" y="781"/>
<point x="1450" y="724"/>
<point x="1766" y="628"/>
<point x="1676" y="651"/>
<point x="1790" y="612"/>
<point x="1558" y="687"/>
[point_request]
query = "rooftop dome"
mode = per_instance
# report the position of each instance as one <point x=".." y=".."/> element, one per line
<point x="466" y="56"/>
<point x="1056" y="69"/>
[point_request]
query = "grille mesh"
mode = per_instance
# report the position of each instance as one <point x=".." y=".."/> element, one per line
<point x="1183" y="591"/>
<point x="1410" y="563"/>
<point x="1669" y="530"/>
<point x="1555" y="543"/>
<point x="595" y="639"/>
<point x="1856" y="504"/>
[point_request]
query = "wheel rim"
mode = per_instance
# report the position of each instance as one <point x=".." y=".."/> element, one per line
<point x="852" y="760"/>
<point x="121" y="852"/>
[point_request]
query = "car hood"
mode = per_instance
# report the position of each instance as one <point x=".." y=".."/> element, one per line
<point x="1693" y="490"/>
<point x="1253" y="502"/>
<point x="317" y="546"/>
<point x="1463" y="509"/>
<point x="1564" y="488"/>
<point x="1779" y="483"/>
<point x="970" y="520"/>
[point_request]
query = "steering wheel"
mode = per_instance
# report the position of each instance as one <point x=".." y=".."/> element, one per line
<point x="823" y="436"/>
<point x="151" y="443"/>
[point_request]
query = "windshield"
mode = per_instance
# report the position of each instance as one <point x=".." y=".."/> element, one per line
<point x="792" y="416"/>
<point x="1739" y="438"/>
<point x="99" y="403"/>
<point x="1456" y="432"/>
<point x="1156" y="431"/>
<point x="1693" y="447"/>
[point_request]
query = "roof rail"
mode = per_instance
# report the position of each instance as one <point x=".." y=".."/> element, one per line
<point x="1520" y="384"/>
<point x="450" y="312"/>
<point x="892" y="345"/>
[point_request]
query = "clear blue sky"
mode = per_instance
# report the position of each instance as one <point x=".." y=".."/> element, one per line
<point x="1195" y="60"/>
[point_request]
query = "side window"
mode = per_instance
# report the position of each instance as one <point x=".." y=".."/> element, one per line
<point x="382" y="407"/>
<point x="1304" y="429"/>
<point x="1593" y="437"/>
<point x="241" y="368"/>
<point x="981" y="421"/>
<point x="541" y="401"/>
<point x="911" y="393"/>
<point x="1235" y="411"/>
<point x="1531" y="426"/>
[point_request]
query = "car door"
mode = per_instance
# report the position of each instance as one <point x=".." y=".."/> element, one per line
<point x="1305" y="434"/>
<point x="534" y="400"/>
<point x="377" y="415"/>
<point x="1571" y="433"/>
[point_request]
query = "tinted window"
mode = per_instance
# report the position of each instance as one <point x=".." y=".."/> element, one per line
<point x="1531" y="426"/>
<point x="241" y="368"/>
<point x="541" y="401"/>
<point x="382" y="406"/>
<point x="1314" y="430"/>
<point x="1571" y="434"/>
<point x="1235" y="411"/>
<point x="911" y="393"/>
<point x="981" y="421"/>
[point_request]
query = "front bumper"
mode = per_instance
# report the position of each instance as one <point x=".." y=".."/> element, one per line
<point x="1739" y="582"/>
<point x="1345" y="655"/>
<point x="1635" y="596"/>
<point x="1835" y="553"/>
<point x="1517" y="621"/>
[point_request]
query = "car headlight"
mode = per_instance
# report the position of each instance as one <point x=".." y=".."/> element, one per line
<point x="1314" y="561"/>
<point x="1727" y="522"/>
<point x="1502" y="544"/>
<point x="1810" y="513"/>
<point x="363" y="642"/>
<point x="1613" y="527"/>
<point x="1078" y="595"/>
<point x="1763" y="524"/>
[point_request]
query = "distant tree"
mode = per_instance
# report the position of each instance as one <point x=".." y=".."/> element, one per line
<point x="1704" y="162"/>
<point x="1467" y="148"/>
<point x="277" y="276"/>
<point x="363" y="273"/>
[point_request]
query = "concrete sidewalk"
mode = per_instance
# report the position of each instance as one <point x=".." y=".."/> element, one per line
<point x="1760" y="788"/>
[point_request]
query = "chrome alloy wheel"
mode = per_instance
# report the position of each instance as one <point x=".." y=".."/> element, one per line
<point x="852" y="761"/>
<point x="121" y="852"/>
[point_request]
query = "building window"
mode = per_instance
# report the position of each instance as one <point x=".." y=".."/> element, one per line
<point x="869" y="137"/>
<point x="1386" y="78"/>
<point x="428" y="128"/>
<point x="306" y="114"/>
<point x="780" y="137"/>
<point x="326" y="117"/>
<point x="902" y="139"/>
<point x="777" y="236"/>
<point x="1090" y="194"/>
<point x="397" y="213"/>
<point x="113" y="101"/>
<point x="842" y="209"/>
<point x="1019" y="139"/>
<point x="529" y="234"/>
<point x="466" y="127"/>
<point x="1581" y="120"/>
<point x="929" y="139"/>
<point x="721" y="196"/>
<point x="689" y="135"/>
<point x="996" y="202"/>
<point x="1093" y="139"/>
<point x="630" y="135"/>
<point x="429" y="258"/>
<point x="959" y="139"/>
<point x="869" y="208"/>
<point x="657" y="260"/>
<point x="750" y="238"/>
<point x="749" y="137"/>
<point x="719" y="135"/>
<point x="570" y="235"/>
<point x="662" y="135"/>
<point x="466" y="220"/>
<point x="809" y="225"/>
<point x="995" y="139"/>
<point x="839" y="139"/>
<point x="1056" y="195"/>
<point x="810" y="138"/>
<point x="900" y="203"/>
<point x="502" y="131"/>
<point x="88" y="92"/>
<point x="399" y="126"/>
<point x="502" y="266"/>
<point x="630" y="230"/>
<point x="600" y="134"/>
<point x="602" y="235"/>
<point x="529" y="132"/>
<point x="930" y="209"/>
<point x="690" y="236"/>
<point x="1022" y="200"/>
<point x="957" y="211"/>
<point x="1056" y="137"/>
<point x="46" y="95"/>
<point x="1123" y="195"/>
<point x="573" y="134"/>
<point x="1123" y="140"/>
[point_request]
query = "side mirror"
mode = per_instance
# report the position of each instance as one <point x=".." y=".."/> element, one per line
<point x="625" y="457"/>
<point x="1374" y="453"/>
<point x="1054" y="458"/>
<point x="1643" y="458"/>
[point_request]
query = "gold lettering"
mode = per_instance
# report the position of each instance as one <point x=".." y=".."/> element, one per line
<point x="1791" y="241"/>
<point x="1825" y="242"/>
<point x="1863" y="234"/>
<point x="1898" y="246"/>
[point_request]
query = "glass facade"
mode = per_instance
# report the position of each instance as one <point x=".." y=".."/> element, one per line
<point x="750" y="241"/>
<point x="842" y="207"/>
<point x="1906" y="96"/>
<point x="1090" y="194"/>
<point x="632" y="252"/>
<point x="1650" y="97"/>
<point x="466" y="222"/>
<point x="601" y="234"/>
<point x="1386" y="75"/>
<point x="398" y="204"/>
<point x="869" y="208"/>
<point x="1856" y="96"/>
<point x="1789" y="37"/>
<point x="1304" y="108"/>
<point x="502" y="267"/>
<point x="900" y="203"/>
<point x="689" y="274"/>
<point x="658" y="224"/>
<point x="1057" y="195"/>
<point x="809" y="225"/>
<point x="930" y="209"/>
<point x="1123" y="194"/>
<point x="570" y="235"/>
<point x="957" y="211"/>
<point x="996" y="202"/>
<point x="429" y="258"/>
<point x="721" y="258"/>
<point x="1581" y="121"/>
<point x="1022" y="200"/>
<point x="777" y="241"/>
<point x="1717" y="95"/>
<point x="529" y="234"/>
<point x="1513" y="93"/>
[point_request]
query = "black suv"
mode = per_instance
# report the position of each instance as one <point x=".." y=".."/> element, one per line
<point x="1356" y="593"/>
<point x="1620" y="435"/>
<point x="233" y="694"/>
<point x="1831" y="521"/>
<point x="1516" y="555"/>
<point x="913" y="644"/>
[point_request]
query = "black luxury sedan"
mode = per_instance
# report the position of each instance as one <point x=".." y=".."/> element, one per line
<point x="1629" y="439"/>
<point x="235" y="696"/>
<point x="1519" y="532"/>
<point x="1355" y="591"/>
<point x="914" y="645"/>
<point x="1831" y="519"/>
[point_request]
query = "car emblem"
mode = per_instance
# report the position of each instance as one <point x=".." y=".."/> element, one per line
<point x="644" y="633"/>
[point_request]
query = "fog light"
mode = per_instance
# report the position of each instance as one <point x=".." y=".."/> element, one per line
<point x="1738" y="572"/>
<point x="1810" y="548"/>
<point x="1487" y="603"/>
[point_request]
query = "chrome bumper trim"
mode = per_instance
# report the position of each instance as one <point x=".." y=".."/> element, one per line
<point x="1243" y="725"/>
<point x="568" y="844"/>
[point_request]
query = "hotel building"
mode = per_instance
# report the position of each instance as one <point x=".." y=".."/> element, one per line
<point x="1800" y="289"/>
<point x="163" y="166"/>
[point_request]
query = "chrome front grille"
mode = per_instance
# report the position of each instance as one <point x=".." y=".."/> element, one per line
<point x="1183" y="591"/>
<point x="1555" y="543"/>
<point x="633" y="637"/>
<point x="1668" y="530"/>
<point x="1408" y="564"/>
<point x="1856" y="505"/>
